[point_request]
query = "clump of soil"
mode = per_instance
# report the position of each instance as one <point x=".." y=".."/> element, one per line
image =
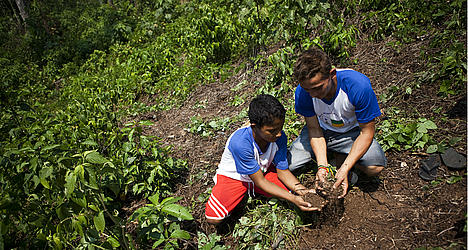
<point x="315" y="200"/>
<point x="327" y="199"/>
<point x="327" y="191"/>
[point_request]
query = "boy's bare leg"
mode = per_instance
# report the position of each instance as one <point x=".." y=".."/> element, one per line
<point x="213" y="221"/>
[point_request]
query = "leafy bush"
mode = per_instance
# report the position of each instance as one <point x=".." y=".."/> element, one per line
<point x="158" y="221"/>
<point x="264" y="226"/>
<point x="67" y="163"/>
<point x="404" y="134"/>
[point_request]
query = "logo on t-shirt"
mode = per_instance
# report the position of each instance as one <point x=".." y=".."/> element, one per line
<point x="337" y="124"/>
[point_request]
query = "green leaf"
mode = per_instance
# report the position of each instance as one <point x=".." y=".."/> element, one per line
<point x="93" y="207"/>
<point x="432" y="149"/>
<point x="454" y="179"/>
<point x="178" y="211"/>
<point x="99" y="222"/>
<point x="454" y="140"/>
<point x="79" y="171"/>
<point x="180" y="234"/>
<point x="430" y="125"/>
<point x="43" y="174"/>
<point x="114" y="243"/>
<point x="154" y="199"/>
<point x="77" y="226"/>
<point x="45" y="183"/>
<point x="89" y="142"/>
<point x="95" y="158"/>
<point x="170" y="200"/>
<point x="146" y="123"/>
<point x="157" y="243"/>
<point x="127" y="146"/>
<point x="80" y="201"/>
<point x="50" y="147"/>
<point x="70" y="181"/>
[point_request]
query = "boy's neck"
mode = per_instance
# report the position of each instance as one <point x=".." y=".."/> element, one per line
<point x="262" y="144"/>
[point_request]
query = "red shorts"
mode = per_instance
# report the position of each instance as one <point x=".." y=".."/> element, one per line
<point x="228" y="192"/>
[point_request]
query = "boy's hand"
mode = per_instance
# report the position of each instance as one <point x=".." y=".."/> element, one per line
<point x="304" y="206"/>
<point x="301" y="190"/>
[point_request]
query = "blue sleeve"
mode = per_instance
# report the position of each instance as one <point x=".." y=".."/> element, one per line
<point x="363" y="98"/>
<point x="281" y="160"/>
<point x="303" y="103"/>
<point x="244" y="158"/>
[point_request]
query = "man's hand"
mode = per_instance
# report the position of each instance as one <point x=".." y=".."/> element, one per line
<point x="304" y="206"/>
<point x="342" y="179"/>
<point x="321" y="176"/>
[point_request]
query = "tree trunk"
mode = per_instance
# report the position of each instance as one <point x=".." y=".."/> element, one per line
<point x="18" y="20"/>
<point x="22" y="10"/>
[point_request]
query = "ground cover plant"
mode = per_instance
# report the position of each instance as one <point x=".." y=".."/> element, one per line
<point x="115" y="114"/>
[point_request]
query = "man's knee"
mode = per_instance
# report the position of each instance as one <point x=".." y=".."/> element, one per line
<point x="371" y="170"/>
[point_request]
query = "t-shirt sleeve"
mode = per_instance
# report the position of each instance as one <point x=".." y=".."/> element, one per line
<point x="244" y="158"/>
<point x="303" y="102"/>
<point x="364" y="101"/>
<point x="281" y="160"/>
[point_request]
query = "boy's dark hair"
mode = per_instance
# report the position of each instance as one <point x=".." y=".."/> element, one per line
<point x="264" y="109"/>
<point x="310" y="63"/>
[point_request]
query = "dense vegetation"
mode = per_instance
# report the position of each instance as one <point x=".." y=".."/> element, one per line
<point x="72" y="72"/>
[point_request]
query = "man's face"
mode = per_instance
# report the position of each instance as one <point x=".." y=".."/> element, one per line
<point x="270" y="132"/>
<point x="319" y="86"/>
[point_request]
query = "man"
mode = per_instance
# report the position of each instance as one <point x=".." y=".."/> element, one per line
<point x="340" y="107"/>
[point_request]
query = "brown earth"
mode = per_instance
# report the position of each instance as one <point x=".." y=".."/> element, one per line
<point x="315" y="200"/>
<point x="400" y="211"/>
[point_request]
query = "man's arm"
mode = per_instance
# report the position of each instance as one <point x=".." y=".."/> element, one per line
<point x="318" y="144"/>
<point x="274" y="190"/>
<point x="359" y="148"/>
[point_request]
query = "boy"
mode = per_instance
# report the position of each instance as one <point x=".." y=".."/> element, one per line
<point x="255" y="161"/>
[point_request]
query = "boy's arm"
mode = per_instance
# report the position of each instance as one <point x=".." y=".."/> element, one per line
<point x="291" y="181"/>
<point x="274" y="190"/>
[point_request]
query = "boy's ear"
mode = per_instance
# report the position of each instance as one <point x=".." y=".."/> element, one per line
<point x="246" y="124"/>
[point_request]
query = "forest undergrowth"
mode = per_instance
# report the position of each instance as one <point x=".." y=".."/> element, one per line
<point x="82" y="84"/>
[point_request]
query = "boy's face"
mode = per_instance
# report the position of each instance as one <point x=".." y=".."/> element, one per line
<point x="270" y="132"/>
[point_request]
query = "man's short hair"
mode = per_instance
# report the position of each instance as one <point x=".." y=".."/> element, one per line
<point x="264" y="109"/>
<point x="310" y="63"/>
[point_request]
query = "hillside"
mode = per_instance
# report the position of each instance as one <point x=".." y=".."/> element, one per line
<point x="115" y="115"/>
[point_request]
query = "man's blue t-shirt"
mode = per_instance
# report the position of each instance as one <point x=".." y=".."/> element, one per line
<point x="354" y="102"/>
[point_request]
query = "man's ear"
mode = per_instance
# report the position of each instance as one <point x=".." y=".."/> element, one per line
<point x="333" y="74"/>
<point x="253" y="125"/>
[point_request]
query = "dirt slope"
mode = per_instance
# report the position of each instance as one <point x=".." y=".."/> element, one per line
<point x="397" y="213"/>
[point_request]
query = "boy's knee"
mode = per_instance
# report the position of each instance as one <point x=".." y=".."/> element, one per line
<point x="213" y="221"/>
